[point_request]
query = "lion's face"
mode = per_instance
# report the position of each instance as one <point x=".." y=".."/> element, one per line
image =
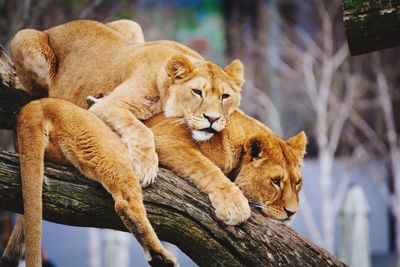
<point x="203" y="94"/>
<point x="270" y="176"/>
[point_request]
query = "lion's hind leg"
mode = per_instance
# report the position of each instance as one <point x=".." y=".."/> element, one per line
<point x="128" y="28"/>
<point x="131" y="210"/>
<point x="35" y="61"/>
<point x="126" y="191"/>
<point x="100" y="155"/>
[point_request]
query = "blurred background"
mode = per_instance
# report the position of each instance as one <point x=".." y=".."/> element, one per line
<point x="299" y="76"/>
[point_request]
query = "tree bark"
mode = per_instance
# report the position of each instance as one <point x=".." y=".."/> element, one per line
<point x="371" y="25"/>
<point x="12" y="98"/>
<point x="179" y="213"/>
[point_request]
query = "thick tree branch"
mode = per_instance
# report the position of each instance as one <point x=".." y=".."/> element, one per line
<point x="371" y="25"/>
<point x="179" y="213"/>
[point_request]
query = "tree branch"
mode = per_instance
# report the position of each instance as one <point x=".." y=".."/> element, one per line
<point x="371" y="25"/>
<point x="179" y="213"/>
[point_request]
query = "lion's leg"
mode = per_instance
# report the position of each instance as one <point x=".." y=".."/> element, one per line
<point x="100" y="155"/>
<point x="128" y="28"/>
<point x="35" y="61"/>
<point x="182" y="157"/>
<point x="127" y="194"/>
<point x="137" y="137"/>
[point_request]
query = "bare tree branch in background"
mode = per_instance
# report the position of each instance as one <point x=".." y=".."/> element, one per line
<point x="318" y="66"/>
<point x="387" y="145"/>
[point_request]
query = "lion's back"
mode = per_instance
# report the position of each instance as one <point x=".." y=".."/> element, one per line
<point x="93" y="59"/>
<point x="87" y="65"/>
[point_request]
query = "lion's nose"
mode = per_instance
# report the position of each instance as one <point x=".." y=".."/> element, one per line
<point x="211" y="119"/>
<point x="288" y="212"/>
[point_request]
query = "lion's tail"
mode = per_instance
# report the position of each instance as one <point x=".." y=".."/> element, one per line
<point x="15" y="245"/>
<point x="31" y="145"/>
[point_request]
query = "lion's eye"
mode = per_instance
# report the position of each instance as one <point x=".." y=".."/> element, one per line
<point x="299" y="181"/>
<point x="276" y="181"/>
<point x="225" y="96"/>
<point x="197" y="92"/>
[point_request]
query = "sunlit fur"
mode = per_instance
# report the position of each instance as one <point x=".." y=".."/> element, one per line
<point x="245" y="147"/>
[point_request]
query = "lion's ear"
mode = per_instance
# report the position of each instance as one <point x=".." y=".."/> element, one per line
<point x="255" y="147"/>
<point x="299" y="143"/>
<point x="235" y="70"/>
<point x="178" y="67"/>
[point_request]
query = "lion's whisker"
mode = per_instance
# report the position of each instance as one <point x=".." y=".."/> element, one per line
<point x="178" y="122"/>
<point x="257" y="204"/>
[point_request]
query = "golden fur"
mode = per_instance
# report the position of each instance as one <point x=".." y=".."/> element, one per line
<point x="138" y="80"/>
<point x="59" y="131"/>
<point x="196" y="94"/>
<point x="263" y="166"/>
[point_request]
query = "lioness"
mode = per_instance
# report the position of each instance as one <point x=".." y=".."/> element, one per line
<point x="61" y="132"/>
<point x="138" y="80"/>
<point x="82" y="58"/>
<point x="266" y="168"/>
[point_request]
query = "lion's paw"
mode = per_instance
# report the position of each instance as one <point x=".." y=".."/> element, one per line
<point x="230" y="205"/>
<point x="145" y="166"/>
<point x="163" y="259"/>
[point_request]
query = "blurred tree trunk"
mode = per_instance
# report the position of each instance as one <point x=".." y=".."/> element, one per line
<point x="317" y="64"/>
<point x="250" y="27"/>
<point x="246" y="29"/>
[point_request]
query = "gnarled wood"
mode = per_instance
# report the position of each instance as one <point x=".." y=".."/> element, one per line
<point x="179" y="213"/>
<point x="371" y="25"/>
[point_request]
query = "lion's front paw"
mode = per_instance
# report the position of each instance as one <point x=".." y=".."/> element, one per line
<point x="230" y="204"/>
<point x="163" y="259"/>
<point x="145" y="166"/>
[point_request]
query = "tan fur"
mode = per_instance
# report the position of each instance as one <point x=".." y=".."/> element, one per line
<point x="138" y="80"/>
<point x="66" y="134"/>
<point x="245" y="149"/>
<point x="87" y="58"/>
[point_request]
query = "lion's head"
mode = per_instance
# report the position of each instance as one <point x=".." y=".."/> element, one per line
<point x="203" y="94"/>
<point x="270" y="174"/>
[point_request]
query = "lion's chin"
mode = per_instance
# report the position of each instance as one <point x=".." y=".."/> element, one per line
<point x="201" y="135"/>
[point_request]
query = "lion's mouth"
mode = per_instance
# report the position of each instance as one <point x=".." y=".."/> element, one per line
<point x="209" y="130"/>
